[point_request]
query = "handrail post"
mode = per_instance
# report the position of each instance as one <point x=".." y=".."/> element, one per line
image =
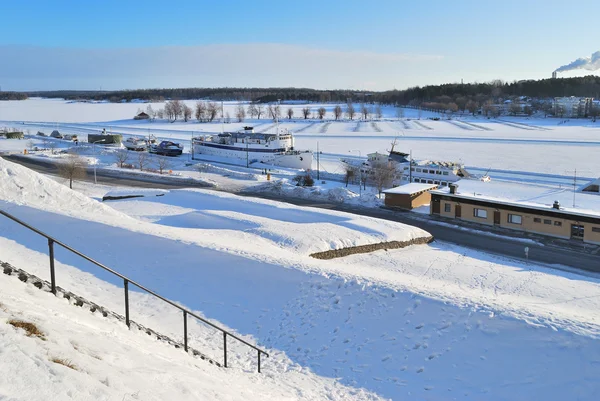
<point x="185" y="345"/>
<point x="52" y="274"/>
<point x="258" y="361"/>
<point x="126" y="285"/>
<point x="225" y="348"/>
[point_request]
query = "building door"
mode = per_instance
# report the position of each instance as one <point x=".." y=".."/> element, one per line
<point x="496" y="217"/>
<point x="457" y="211"/>
<point x="577" y="232"/>
<point x="435" y="206"/>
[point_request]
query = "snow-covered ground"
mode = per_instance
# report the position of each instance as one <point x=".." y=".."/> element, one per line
<point x="425" y="322"/>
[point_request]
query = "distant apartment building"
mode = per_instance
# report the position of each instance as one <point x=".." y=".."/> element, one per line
<point x="572" y="106"/>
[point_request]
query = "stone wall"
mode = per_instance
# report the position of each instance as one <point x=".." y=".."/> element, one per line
<point x="340" y="253"/>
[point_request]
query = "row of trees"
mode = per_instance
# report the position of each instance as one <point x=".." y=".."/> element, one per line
<point x="13" y="96"/>
<point x="544" y="88"/>
<point x="207" y="111"/>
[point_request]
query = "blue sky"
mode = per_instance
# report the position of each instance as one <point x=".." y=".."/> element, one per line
<point x="374" y="44"/>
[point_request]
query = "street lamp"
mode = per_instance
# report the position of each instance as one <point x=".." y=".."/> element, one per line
<point x="360" y="170"/>
<point x="94" y="152"/>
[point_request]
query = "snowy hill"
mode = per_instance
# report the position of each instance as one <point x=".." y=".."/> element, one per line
<point x="425" y="322"/>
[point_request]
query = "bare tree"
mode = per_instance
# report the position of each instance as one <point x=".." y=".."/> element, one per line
<point x="452" y="108"/>
<point x="160" y="114"/>
<point x="306" y="112"/>
<point x="488" y="107"/>
<point x="290" y="113"/>
<point x="52" y="144"/>
<point x="150" y="111"/>
<point x="364" y="111"/>
<point x="383" y="176"/>
<point x="337" y="112"/>
<point x="240" y="113"/>
<point x="73" y="168"/>
<point x="212" y="110"/>
<point x="252" y="110"/>
<point x="187" y="112"/>
<point x="227" y="118"/>
<point x="162" y="162"/>
<point x="169" y="112"/>
<point x="594" y="112"/>
<point x="514" y="108"/>
<point x="350" y="173"/>
<point x="350" y="111"/>
<point x="471" y="106"/>
<point x="177" y="107"/>
<point x="259" y="110"/>
<point x="321" y="112"/>
<point x="142" y="160"/>
<point x="122" y="156"/>
<point x="201" y="111"/>
<point x="277" y="111"/>
<point x="399" y="112"/>
<point x="378" y="112"/>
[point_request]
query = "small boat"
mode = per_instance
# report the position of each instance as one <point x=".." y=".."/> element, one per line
<point x="167" y="148"/>
<point x="135" y="144"/>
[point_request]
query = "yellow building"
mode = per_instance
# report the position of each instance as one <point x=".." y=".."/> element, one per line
<point x="528" y="213"/>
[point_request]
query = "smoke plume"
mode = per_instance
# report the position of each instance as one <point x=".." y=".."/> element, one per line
<point x="585" y="63"/>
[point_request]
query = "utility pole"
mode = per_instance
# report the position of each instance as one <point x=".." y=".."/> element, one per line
<point x="574" y="185"/>
<point x="410" y="168"/>
<point x="318" y="160"/>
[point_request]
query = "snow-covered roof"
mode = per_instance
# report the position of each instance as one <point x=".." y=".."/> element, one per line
<point x="532" y="196"/>
<point x="410" y="189"/>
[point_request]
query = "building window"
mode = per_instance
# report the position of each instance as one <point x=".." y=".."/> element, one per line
<point x="418" y="170"/>
<point x="438" y="172"/>
<point x="596" y="229"/>
<point x="546" y="221"/>
<point x="431" y="171"/>
<point x="444" y="184"/>
<point x="515" y="219"/>
<point x="448" y="208"/>
<point x="412" y="169"/>
<point x="430" y="181"/>
<point x="537" y="220"/>
<point x="436" y="182"/>
<point x="558" y="223"/>
<point x="445" y="173"/>
<point x="481" y="213"/>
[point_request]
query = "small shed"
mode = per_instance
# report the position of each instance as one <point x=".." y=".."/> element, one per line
<point x="409" y="196"/>
<point x="141" y="116"/>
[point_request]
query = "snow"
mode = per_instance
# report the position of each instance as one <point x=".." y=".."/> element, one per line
<point x="409" y="189"/>
<point x="425" y="322"/>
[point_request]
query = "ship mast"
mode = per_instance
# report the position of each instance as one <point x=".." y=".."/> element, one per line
<point x="277" y="121"/>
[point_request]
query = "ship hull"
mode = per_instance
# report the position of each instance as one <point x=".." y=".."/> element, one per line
<point x="276" y="157"/>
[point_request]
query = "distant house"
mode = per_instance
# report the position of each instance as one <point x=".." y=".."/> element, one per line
<point x="56" y="134"/>
<point x="572" y="106"/>
<point x="141" y="116"/>
<point x="409" y="196"/>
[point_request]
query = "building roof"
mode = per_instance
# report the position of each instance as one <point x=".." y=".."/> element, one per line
<point x="530" y="196"/>
<point x="409" y="189"/>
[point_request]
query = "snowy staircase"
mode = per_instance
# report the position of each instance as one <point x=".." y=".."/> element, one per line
<point x="97" y="310"/>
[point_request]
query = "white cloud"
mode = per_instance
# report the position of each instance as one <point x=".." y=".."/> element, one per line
<point x="231" y="65"/>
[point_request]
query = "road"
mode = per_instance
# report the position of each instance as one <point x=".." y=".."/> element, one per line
<point x="543" y="251"/>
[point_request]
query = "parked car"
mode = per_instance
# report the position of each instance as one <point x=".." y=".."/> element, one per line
<point x="167" y="148"/>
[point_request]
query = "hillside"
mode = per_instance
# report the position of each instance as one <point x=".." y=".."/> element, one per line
<point x="425" y="322"/>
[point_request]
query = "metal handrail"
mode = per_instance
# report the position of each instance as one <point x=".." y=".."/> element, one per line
<point x="127" y="281"/>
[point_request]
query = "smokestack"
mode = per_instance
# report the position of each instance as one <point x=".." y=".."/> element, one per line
<point x="554" y="74"/>
<point x="453" y="188"/>
<point x="586" y="63"/>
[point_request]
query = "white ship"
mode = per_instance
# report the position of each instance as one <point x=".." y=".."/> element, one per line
<point x="407" y="170"/>
<point x="247" y="147"/>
